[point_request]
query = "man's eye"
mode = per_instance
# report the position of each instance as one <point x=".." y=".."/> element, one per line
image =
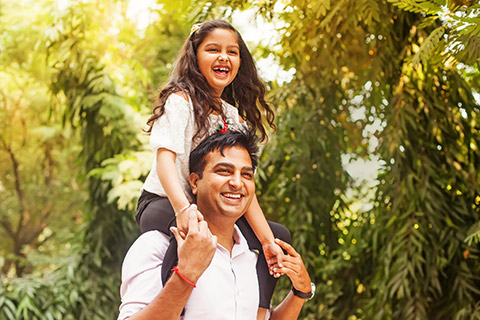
<point x="248" y="175"/>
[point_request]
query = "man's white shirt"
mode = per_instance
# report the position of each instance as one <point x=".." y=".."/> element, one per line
<point x="228" y="289"/>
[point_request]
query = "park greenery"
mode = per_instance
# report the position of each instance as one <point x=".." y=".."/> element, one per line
<point x="390" y="83"/>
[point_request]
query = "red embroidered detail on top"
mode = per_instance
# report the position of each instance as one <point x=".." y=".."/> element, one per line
<point x="225" y="126"/>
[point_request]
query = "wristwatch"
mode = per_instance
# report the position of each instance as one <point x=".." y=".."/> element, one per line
<point x="304" y="295"/>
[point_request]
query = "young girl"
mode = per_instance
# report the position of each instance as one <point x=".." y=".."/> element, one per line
<point x="214" y="86"/>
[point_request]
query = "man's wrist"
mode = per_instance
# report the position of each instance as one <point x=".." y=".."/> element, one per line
<point x="189" y="273"/>
<point x="307" y="294"/>
<point x="175" y="269"/>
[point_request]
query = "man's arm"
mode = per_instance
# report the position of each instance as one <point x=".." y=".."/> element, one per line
<point x="194" y="256"/>
<point x="169" y="302"/>
<point x="294" y="268"/>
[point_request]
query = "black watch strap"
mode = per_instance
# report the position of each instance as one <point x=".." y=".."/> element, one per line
<point x="304" y="295"/>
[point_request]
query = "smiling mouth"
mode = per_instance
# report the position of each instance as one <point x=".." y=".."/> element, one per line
<point x="234" y="196"/>
<point x="222" y="70"/>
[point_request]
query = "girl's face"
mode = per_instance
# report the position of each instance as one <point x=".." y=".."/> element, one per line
<point x="218" y="57"/>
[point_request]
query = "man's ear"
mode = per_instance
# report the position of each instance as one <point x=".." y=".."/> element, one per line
<point x="193" y="182"/>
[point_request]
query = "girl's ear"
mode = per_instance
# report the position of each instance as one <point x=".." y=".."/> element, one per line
<point x="193" y="182"/>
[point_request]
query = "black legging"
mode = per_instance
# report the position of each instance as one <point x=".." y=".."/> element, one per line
<point x="156" y="213"/>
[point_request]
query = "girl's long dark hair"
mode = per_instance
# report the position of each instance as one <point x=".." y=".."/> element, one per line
<point x="246" y="92"/>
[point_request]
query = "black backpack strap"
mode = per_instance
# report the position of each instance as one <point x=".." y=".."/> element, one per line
<point x="170" y="260"/>
<point x="266" y="282"/>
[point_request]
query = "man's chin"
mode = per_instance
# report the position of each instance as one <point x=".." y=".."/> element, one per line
<point x="233" y="212"/>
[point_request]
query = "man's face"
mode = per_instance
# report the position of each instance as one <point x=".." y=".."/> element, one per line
<point x="227" y="186"/>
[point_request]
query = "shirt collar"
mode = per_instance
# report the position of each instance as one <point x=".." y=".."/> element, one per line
<point x="240" y="246"/>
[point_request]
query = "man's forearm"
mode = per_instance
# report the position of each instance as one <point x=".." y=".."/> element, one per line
<point x="169" y="303"/>
<point x="289" y="309"/>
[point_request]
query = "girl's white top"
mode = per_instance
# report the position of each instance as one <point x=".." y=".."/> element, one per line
<point x="174" y="131"/>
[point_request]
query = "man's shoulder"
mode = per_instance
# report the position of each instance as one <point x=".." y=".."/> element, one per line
<point x="151" y="239"/>
<point x="146" y="252"/>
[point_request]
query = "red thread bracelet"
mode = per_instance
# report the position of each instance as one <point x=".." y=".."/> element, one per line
<point x="183" y="277"/>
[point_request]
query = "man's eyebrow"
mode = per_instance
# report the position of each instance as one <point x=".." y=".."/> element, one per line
<point x="231" y="166"/>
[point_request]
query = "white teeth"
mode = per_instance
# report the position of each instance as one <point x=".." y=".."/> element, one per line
<point x="221" y="69"/>
<point x="232" y="195"/>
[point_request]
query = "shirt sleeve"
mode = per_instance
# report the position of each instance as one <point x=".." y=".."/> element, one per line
<point x="169" y="131"/>
<point x="141" y="273"/>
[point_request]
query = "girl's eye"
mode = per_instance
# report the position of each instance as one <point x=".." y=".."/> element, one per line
<point x="233" y="52"/>
<point x="212" y="50"/>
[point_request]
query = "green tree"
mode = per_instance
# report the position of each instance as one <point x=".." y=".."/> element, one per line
<point x="101" y="69"/>
<point x="393" y="79"/>
<point x="410" y="69"/>
<point x="39" y="193"/>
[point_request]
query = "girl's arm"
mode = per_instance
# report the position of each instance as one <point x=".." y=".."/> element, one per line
<point x="256" y="220"/>
<point x="168" y="175"/>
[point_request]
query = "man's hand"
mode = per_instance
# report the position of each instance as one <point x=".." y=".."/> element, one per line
<point x="294" y="268"/>
<point x="274" y="256"/>
<point x="183" y="221"/>
<point x="196" y="250"/>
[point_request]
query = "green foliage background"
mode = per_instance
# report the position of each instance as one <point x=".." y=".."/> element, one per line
<point x="394" y="83"/>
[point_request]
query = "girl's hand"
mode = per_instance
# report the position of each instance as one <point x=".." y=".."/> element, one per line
<point x="274" y="256"/>
<point x="293" y="267"/>
<point x="183" y="220"/>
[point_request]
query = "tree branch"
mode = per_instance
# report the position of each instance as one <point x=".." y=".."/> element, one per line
<point x="7" y="227"/>
<point x="18" y="185"/>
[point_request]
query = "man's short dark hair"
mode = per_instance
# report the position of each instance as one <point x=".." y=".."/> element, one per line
<point x="220" y="141"/>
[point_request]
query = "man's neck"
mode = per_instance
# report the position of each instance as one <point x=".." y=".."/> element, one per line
<point x="223" y="229"/>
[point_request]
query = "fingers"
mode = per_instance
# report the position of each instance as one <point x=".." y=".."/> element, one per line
<point x="294" y="268"/>
<point x="196" y="221"/>
<point x="287" y="247"/>
<point x="272" y="262"/>
<point x="273" y="251"/>
<point x="177" y="235"/>
<point x="192" y="218"/>
<point x="292" y="265"/>
<point x="200" y="216"/>
<point x="186" y="219"/>
<point x="214" y="241"/>
<point x="280" y="259"/>
<point x="203" y="227"/>
<point x="182" y="222"/>
<point x="291" y="270"/>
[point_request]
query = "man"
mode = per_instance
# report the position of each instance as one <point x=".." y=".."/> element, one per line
<point x="215" y="277"/>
